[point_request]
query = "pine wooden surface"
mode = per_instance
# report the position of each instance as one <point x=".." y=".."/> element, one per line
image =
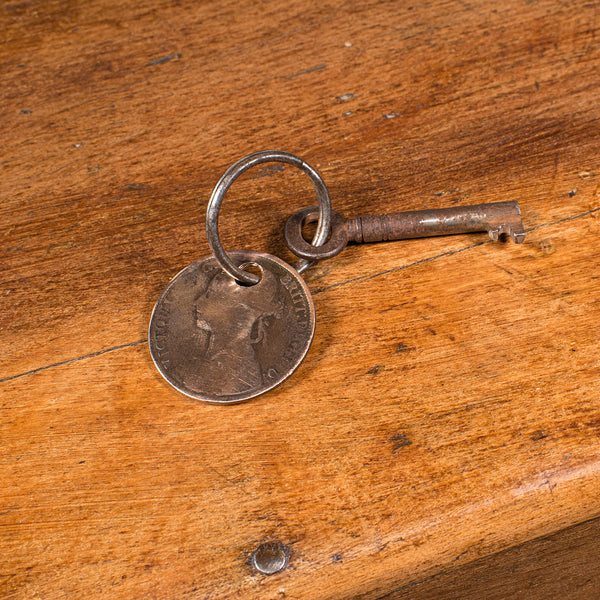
<point x="449" y="407"/>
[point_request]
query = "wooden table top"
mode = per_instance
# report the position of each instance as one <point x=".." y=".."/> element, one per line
<point x="449" y="407"/>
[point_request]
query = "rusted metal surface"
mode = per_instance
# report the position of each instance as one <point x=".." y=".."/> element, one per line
<point x="497" y="218"/>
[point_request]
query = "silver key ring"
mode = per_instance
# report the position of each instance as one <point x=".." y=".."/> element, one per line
<point x="216" y="199"/>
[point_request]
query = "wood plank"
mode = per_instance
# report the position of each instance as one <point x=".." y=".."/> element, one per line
<point x="556" y="566"/>
<point x="368" y="478"/>
<point x="448" y="409"/>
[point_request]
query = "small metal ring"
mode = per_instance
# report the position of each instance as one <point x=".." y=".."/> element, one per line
<point x="216" y="199"/>
<point x="300" y="247"/>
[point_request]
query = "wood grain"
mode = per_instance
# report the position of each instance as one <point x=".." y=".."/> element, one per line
<point x="551" y="567"/>
<point x="449" y="408"/>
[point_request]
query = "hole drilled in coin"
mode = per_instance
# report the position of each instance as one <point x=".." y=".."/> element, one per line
<point x="254" y="268"/>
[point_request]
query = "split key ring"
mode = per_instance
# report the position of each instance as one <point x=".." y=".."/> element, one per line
<point x="216" y="199"/>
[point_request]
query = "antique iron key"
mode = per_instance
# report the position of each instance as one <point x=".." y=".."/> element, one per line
<point x="497" y="218"/>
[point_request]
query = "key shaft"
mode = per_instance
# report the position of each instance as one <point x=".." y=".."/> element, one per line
<point x="496" y="218"/>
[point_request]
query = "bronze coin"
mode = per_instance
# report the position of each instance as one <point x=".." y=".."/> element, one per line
<point x="216" y="340"/>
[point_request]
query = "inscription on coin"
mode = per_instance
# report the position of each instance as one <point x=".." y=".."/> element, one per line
<point x="218" y="341"/>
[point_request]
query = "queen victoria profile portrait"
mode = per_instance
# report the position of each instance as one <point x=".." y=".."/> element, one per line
<point x="231" y="325"/>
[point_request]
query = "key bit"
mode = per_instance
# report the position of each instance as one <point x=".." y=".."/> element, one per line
<point x="497" y="218"/>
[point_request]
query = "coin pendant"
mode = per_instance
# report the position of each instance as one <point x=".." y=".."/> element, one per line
<point x="222" y="342"/>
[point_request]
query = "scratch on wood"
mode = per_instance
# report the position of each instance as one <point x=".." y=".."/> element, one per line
<point x="312" y="70"/>
<point x="503" y="269"/>
<point x="164" y="59"/>
<point x="394" y="269"/>
<point x="72" y="360"/>
<point x="461" y="555"/>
